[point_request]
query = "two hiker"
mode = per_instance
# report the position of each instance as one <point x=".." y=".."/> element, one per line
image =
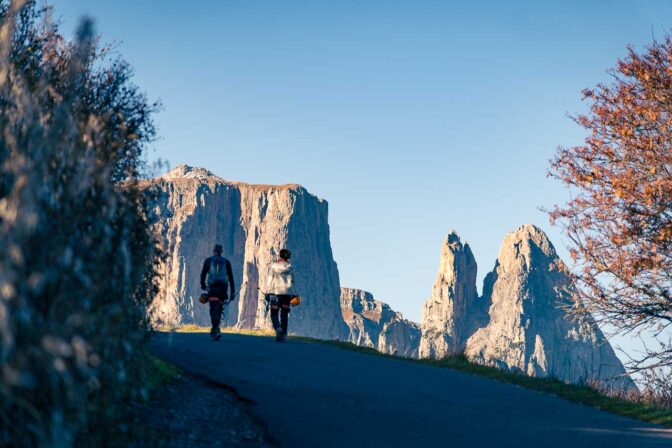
<point x="217" y="275"/>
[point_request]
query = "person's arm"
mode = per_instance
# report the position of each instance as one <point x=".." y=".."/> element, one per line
<point x="269" y="276"/>
<point x="204" y="273"/>
<point x="229" y="274"/>
<point x="293" y="279"/>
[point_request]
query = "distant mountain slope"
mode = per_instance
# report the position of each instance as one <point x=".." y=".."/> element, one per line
<point x="196" y="209"/>
<point x="521" y="322"/>
<point x="373" y="323"/>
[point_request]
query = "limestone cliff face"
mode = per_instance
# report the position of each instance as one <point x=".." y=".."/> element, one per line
<point x="374" y="324"/>
<point x="528" y="329"/>
<point x="454" y="310"/>
<point x="518" y="324"/>
<point x="196" y="209"/>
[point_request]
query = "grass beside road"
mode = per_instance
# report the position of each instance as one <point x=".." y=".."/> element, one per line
<point x="160" y="372"/>
<point x="582" y="394"/>
<point x="200" y="329"/>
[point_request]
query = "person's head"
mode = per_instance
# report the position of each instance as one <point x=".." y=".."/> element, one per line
<point x="218" y="249"/>
<point x="285" y="254"/>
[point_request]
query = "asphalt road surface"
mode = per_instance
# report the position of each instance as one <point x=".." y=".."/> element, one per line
<point x="313" y="395"/>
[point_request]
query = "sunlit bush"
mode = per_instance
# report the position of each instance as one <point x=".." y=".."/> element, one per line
<point x="76" y="256"/>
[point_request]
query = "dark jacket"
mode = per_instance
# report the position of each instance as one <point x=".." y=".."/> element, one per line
<point x="229" y="272"/>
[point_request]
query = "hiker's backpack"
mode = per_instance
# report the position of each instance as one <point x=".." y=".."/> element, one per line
<point x="217" y="272"/>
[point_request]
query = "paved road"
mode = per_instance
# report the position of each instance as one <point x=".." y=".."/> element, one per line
<point x="312" y="395"/>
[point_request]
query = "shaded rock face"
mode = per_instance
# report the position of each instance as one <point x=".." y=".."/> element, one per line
<point x="374" y="324"/>
<point x="528" y="329"/>
<point x="196" y="209"/>
<point x="454" y="310"/>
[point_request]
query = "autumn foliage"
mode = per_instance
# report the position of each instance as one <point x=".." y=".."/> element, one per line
<point x="619" y="220"/>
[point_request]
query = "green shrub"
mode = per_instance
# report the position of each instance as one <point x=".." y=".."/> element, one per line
<point x="77" y="257"/>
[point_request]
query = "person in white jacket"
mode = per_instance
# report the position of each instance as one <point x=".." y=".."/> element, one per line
<point x="280" y="290"/>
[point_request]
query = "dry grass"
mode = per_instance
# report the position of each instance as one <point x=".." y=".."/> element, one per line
<point x="191" y="328"/>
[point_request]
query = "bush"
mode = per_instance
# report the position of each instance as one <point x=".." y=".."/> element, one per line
<point x="77" y="257"/>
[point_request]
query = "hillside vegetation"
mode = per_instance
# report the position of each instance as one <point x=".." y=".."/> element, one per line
<point x="76" y="254"/>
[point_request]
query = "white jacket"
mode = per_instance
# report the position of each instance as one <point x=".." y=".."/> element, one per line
<point x="280" y="279"/>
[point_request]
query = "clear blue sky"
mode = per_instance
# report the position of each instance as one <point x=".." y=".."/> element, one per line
<point x="410" y="117"/>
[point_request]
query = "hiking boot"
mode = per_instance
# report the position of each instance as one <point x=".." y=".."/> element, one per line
<point x="215" y="334"/>
<point x="278" y="334"/>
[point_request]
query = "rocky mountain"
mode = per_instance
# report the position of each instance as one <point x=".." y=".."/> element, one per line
<point x="374" y="324"/>
<point x="520" y="323"/>
<point x="454" y="310"/>
<point x="196" y="209"/>
<point x="528" y="328"/>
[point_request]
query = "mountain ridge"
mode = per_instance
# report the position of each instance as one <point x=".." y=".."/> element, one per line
<point x="513" y="324"/>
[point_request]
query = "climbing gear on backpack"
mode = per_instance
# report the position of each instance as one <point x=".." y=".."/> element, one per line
<point x="203" y="298"/>
<point x="296" y="300"/>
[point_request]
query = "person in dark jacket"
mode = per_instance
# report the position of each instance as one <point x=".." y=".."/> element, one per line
<point x="216" y="276"/>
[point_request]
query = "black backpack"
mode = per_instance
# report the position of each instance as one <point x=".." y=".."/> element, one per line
<point x="217" y="272"/>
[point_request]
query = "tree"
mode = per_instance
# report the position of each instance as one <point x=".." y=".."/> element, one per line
<point x="619" y="221"/>
<point x="77" y="254"/>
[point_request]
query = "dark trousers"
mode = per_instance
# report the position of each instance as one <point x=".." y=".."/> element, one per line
<point x="216" y="313"/>
<point x="219" y="292"/>
<point x="281" y="307"/>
